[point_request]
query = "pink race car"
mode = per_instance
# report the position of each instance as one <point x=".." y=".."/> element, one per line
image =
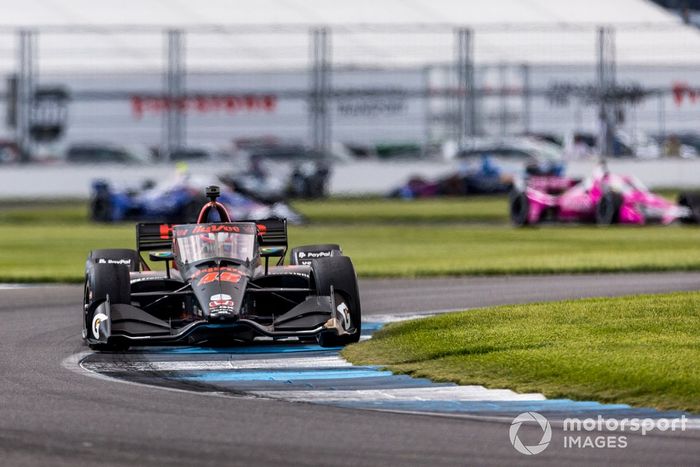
<point x="605" y="198"/>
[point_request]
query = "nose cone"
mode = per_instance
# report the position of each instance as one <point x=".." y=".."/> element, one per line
<point x="220" y="293"/>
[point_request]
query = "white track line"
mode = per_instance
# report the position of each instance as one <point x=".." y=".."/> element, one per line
<point x="248" y="364"/>
<point x="386" y="318"/>
<point x="440" y="393"/>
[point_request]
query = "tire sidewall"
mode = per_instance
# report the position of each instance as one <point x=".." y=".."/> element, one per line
<point x="111" y="280"/>
<point x="519" y="208"/>
<point x="607" y="210"/>
<point x="339" y="272"/>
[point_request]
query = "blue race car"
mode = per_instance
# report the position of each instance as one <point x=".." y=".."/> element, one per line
<point x="177" y="201"/>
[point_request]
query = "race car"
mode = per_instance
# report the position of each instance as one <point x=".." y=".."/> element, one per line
<point x="483" y="178"/>
<point x="218" y="287"/>
<point x="179" y="200"/>
<point x="605" y="198"/>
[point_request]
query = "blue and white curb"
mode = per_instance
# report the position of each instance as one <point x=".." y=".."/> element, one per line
<point x="306" y="373"/>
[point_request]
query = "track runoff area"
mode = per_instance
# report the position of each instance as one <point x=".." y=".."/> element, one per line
<point x="304" y="373"/>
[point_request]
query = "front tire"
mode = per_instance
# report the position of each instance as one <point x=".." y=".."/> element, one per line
<point x="691" y="201"/>
<point x="519" y="209"/>
<point x="111" y="280"/>
<point x="104" y="280"/>
<point x="338" y="272"/>
<point x="607" y="211"/>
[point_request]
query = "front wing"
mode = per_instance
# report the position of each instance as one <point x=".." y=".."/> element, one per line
<point x="119" y="324"/>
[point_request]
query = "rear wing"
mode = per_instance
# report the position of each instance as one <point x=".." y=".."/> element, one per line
<point x="153" y="237"/>
<point x="272" y="235"/>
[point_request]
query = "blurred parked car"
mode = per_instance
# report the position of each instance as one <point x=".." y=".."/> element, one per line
<point x="306" y="179"/>
<point x="9" y="152"/>
<point x="289" y="152"/>
<point x="683" y="145"/>
<point x="627" y="144"/>
<point x="514" y="155"/>
<point x="484" y="178"/>
<point x="102" y="153"/>
<point x="193" y="154"/>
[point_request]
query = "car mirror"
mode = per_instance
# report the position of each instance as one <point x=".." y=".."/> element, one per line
<point x="161" y="255"/>
<point x="272" y="250"/>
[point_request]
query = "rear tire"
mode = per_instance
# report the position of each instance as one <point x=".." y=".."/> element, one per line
<point x="691" y="201"/>
<point x="101" y="209"/>
<point x="339" y="273"/>
<point x="607" y="211"/>
<point x="519" y="209"/>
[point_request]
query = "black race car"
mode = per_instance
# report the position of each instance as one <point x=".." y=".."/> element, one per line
<point x="218" y="286"/>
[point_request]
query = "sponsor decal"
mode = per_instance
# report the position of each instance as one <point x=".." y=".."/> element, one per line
<point x="114" y="261"/>
<point x="316" y="254"/>
<point x="304" y="257"/>
<point x="220" y="303"/>
<point x="232" y="104"/>
<point x="96" y="320"/>
<point x="220" y="296"/>
<point x="215" y="228"/>
<point x="373" y="106"/>
<point x="221" y="306"/>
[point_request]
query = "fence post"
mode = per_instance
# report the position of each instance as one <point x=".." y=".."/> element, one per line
<point x="606" y="85"/>
<point x="25" y="92"/>
<point x="503" y="98"/>
<point x="661" y="114"/>
<point x="466" y="107"/>
<point x="527" y="104"/>
<point x="320" y="90"/>
<point x="173" y="135"/>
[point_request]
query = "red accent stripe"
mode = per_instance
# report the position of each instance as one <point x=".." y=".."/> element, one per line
<point x="165" y="230"/>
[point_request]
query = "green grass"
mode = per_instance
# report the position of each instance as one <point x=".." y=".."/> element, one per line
<point x="489" y="209"/>
<point x="46" y="212"/>
<point x="56" y="252"/>
<point x="473" y="209"/>
<point x="50" y="243"/>
<point x="642" y="350"/>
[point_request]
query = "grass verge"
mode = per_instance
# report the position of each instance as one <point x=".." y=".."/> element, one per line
<point x="491" y="209"/>
<point x="45" y="252"/>
<point x="640" y="350"/>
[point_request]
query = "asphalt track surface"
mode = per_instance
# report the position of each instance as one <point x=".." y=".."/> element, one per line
<point x="50" y="415"/>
